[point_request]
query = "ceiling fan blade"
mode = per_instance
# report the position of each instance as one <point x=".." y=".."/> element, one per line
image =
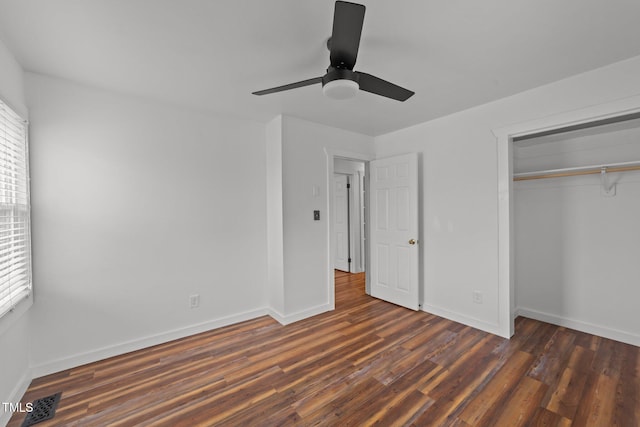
<point x="303" y="83"/>
<point x="376" y="85"/>
<point x="345" y="38"/>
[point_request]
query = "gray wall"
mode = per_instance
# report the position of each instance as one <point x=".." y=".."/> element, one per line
<point x="136" y="206"/>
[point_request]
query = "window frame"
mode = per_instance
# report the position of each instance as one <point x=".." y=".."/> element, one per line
<point x="16" y="210"/>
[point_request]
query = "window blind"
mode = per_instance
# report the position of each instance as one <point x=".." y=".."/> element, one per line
<point x="15" y="229"/>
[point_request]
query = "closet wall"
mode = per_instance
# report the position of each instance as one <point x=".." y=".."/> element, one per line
<point x="577" y="250"/>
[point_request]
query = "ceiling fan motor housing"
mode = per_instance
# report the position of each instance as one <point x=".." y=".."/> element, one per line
<point x="340" y="83"/>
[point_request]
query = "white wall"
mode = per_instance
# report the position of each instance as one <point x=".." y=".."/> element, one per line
<point x="306" y="163"/>
<point x="459" y="161"/>
<point x="275" y="245"/>
<point x="577" y="251"/>
<point x="349" y="167"/>
<point x="15" y="374"/>
<point x="136" y="206"/>
<point x="605" y="144"/>
<point x="12" y="81"/>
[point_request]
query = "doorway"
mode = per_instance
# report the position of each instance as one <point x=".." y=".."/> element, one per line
<point x="348" y="226"/>
<point x="342" y="222"/>
<point x="348" y="215"/>
<point x="393" y="192"/>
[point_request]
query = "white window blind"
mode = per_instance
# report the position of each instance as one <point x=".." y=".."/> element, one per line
<point x="15" y="229"/>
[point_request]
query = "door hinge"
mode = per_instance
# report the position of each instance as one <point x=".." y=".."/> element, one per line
<point x="349" y="260"/>
<point x="348" y="185"/>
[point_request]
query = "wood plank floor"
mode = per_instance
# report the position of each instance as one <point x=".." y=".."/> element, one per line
<point x="368" y="362"/>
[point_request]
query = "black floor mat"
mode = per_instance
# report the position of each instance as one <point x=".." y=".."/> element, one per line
<point x="43" y="409"/>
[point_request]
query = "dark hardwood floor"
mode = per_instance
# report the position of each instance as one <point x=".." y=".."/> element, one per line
<point x="368" y="362"/>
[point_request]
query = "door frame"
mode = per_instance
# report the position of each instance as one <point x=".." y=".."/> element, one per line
<point x="331" y="155"/>
<point x="333" y="215"/>
<point x="507" y="309"/>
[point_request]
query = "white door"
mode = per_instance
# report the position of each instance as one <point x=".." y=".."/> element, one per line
<point x="341" y="221"/>
<point x="394" y="230"/>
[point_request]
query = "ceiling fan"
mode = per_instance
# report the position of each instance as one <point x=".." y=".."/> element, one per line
<point x="340" y="81"/>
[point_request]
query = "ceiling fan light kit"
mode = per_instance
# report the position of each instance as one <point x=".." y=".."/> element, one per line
<point x="340" y="89"/>
<point x="340" y="84"/>
<point x="340" y="81"/>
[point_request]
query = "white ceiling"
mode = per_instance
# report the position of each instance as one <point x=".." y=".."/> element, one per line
<point x="211" y="54"/>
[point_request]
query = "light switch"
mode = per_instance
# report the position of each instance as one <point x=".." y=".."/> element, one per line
<point x="316" y="215"/>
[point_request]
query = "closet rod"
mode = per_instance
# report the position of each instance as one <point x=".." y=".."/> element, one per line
<point x="583" y="170"/>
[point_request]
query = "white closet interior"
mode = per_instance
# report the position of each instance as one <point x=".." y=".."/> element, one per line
<point x="577" y="229"/>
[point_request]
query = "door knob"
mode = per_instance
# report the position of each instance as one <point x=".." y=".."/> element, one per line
<point x="413" y="241"/>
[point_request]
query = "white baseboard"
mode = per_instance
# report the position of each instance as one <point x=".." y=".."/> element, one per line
<point x="133" y="345"/>
<point x="76" y="360"/>
<point x="16" y="396"/>
<point x="299" y="315"/>
<point x="492" y="328"/>
<point x="590" y="328"/>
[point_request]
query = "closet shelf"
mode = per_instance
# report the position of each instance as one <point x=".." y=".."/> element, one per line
<point x="580" y="170"/>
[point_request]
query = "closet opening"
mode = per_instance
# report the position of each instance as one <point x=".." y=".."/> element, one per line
<point x="576" y="233"/>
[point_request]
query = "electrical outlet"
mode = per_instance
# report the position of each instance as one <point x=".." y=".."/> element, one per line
<point x="194" y="301"/>
<point x="477" y="297"/>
